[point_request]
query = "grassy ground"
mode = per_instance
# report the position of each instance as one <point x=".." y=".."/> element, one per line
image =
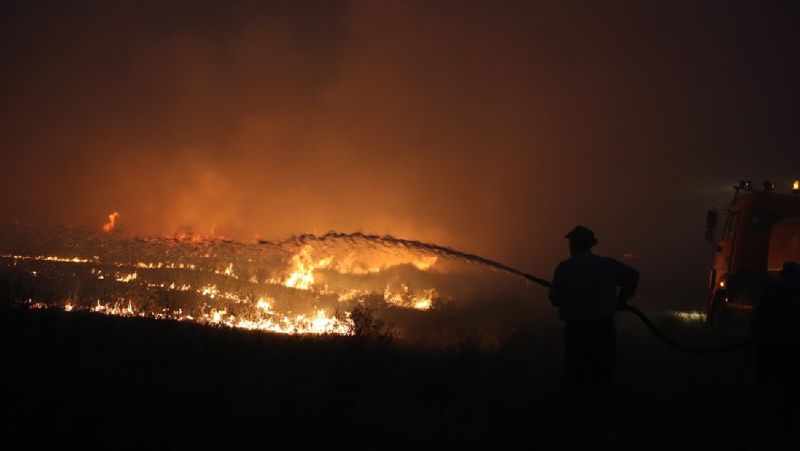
<point x="87" y="379"/>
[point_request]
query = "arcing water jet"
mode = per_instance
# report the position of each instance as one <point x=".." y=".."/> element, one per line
<point x="357" y="238"/>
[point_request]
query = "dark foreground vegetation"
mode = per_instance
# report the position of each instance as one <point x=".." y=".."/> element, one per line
<point x="86" y="379"/>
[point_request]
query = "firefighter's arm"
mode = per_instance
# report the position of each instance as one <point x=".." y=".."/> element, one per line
<point x="628" y="282"/>
<point x="556" y="294"/>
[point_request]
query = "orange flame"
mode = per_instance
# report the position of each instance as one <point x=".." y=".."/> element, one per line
<point x="112" y="222"/>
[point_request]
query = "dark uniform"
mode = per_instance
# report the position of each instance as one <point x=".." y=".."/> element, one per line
<point x="588" y="290"/>
<point x="777" y="338"/>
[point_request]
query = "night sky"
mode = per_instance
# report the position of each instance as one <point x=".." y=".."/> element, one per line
<point x="493" y="127"/>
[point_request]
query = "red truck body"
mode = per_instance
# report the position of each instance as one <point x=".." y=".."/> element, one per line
<point x="761" y="231"/>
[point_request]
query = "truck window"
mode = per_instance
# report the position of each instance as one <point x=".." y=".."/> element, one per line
<point x="784" y="243"/>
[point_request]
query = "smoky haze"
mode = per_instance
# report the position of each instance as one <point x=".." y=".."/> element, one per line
<point x="491" y="127"/>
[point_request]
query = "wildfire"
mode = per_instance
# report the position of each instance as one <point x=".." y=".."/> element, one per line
<point x="112" y="222"/>
<point x="229" y="290"/>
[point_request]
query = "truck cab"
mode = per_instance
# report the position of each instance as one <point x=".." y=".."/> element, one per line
<point x="760" y="231"/>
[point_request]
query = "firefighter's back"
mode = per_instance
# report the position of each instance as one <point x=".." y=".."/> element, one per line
<point x="589" y="284"/>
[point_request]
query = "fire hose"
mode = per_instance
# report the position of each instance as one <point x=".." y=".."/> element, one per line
<point x="726" y="348"/>
<point x="659" y="334"/>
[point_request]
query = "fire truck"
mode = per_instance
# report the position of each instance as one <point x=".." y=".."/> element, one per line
<point x="760" y="231"/>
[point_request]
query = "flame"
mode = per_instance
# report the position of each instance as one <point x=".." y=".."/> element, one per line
<point x="127" y="277"/>
<point x="352" y="295"/>
<point x="217" y="316"/>
<point x="112" y="222"/>
<point x="320" y="323"/>
<point x="160" y="265"/>
<point x="301" y="275"/>
<point x="425" y="300"/>
<point x="228" y="271"/>
<point x="264" y="305"/>
<point x="406" y="299"/>
<point x="303" y="264"/>
<point x="117" y="309"/>
<point x="395" y="297"/>
<point x="267" y="320"/>
<point x="425" y="263"/>
<point x="48" y="258"/>
<point x="193" y="238"/>
<point x="209" y="290"/>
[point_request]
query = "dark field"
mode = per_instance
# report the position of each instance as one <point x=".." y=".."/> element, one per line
<point x="87" y="379"/>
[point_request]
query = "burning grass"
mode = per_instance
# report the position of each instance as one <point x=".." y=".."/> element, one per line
<point x="308" y="288"/>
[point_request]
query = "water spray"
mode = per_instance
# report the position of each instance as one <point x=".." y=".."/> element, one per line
<point x="357" y="238"/>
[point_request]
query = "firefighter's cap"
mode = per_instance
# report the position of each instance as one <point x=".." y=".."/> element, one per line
<point x="582" y="236"/>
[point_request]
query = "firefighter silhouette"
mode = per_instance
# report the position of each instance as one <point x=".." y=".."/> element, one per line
<point x="588" y="290"/>
<point x="777" y="338"/>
